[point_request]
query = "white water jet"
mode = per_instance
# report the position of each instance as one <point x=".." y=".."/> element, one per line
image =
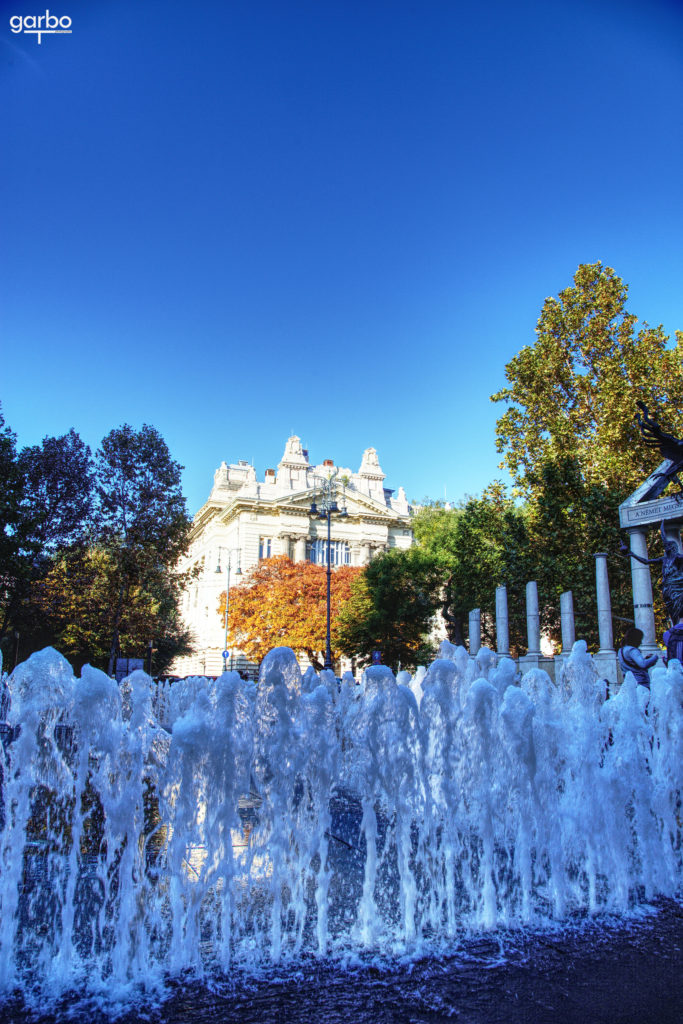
<point x="152" y="832"/>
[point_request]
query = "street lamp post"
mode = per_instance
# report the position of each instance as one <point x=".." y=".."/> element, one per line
<point x="238" y="572"/>
<point x="325" y="509"/>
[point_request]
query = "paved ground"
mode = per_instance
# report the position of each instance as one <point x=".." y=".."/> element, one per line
<point x="621" y="974"/>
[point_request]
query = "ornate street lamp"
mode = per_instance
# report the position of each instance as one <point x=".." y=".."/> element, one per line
<point x="238" y="572"/>
<point x="325" y="508"/>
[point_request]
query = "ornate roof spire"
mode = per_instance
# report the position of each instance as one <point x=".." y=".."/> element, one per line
<point x="294" y="455"/>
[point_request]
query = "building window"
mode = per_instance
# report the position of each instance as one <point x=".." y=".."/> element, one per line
<point x="264" y="547"/>
<point x="340" y="553"/>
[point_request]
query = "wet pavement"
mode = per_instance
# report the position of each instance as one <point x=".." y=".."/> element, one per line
<point x="598" y="972"/>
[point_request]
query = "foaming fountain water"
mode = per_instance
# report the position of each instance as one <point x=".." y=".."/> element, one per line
<point x="155" y="832"/>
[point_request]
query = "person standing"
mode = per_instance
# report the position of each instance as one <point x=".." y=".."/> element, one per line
<point x="631" y="658"/>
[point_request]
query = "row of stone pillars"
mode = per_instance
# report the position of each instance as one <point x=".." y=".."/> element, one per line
<point x="605" y="658"/>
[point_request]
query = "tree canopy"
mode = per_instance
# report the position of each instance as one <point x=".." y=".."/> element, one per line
<point x="141" y="515"/>
<point x="392" y="608"/>
<point x="58" y="490"/>
<point x="479" y="545"/>
<point x="571" y="443"/>
<point x="570" y="440"/>
<point x="11" y="521"/>
<point x="45" y="505"/>
<point x="73" y="602"/>
<point x="89" y="548"/>
<point x="571" y="395"/>
<point x="284" y="603"/>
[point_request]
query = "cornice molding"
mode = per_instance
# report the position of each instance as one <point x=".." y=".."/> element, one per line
<point x="362" y="508"/>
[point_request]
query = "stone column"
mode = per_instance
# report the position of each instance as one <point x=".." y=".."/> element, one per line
<point x="533" y="621"/>
<point x="568" y="634"/>
<point x="605" y="660"/>
<point x="642" y="592"/>
<point x="604" y="604"/>
<point x="502" y="630"/>
<point x="567" y="615"/>
<point x="365" y="554"/>
<point x="300" y="549"/>
<point x="284" y="544"/>
<point x="533" y="657"/>
<point x="475" y="631"/>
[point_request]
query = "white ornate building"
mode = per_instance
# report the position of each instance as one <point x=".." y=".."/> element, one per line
<point x="245" y="520"/>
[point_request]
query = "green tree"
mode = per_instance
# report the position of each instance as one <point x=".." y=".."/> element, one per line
<point x="82" y="574"/>
<point x="58" y="491"/>
<point x="47" y="497"/>
<point x="392" y="608"/>
<point x="141" y="516"/>
<point x="13" y="554"/>
<point x="569" y="436"/>
<point x="479" y="545"/>
<point x="72" y="603"/>
<point x="569" y="520"/>
<point x="572" y="394"/>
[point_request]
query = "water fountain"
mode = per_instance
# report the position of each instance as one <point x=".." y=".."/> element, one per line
<point x="209" y="831"/>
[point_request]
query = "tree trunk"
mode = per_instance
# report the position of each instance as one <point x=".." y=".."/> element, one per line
<point x="115" y="634"/>
<point x="454" y="630"/>
<point x="317" y="665"/>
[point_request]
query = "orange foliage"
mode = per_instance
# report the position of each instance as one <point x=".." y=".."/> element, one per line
<point x="283" y="604"/>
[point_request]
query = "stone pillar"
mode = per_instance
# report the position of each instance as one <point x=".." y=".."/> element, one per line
<point x="605" y="632"/>
<point x="642" y="592"/>
<point x="502" y="630"/>
<point x="284" y="544"/>
<point x="533" y="658"/>
<point x="475" y="631"/>
<point x="365" y="554"/>
<point x="533" y="621"/>
<point x="568" y="634"/>
<point x="605" y="660"/>
<point x="567" y="616"/>
<point x="300" y="549"/>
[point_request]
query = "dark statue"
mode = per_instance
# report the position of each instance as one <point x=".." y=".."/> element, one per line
<point x="670" y="447"/>
<point x="672" y="574"/>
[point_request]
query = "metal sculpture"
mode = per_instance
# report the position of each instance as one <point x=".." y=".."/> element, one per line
<point x="670" y="447"/>
<point x="672" y="574"/>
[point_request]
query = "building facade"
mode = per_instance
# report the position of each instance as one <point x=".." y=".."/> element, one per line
<point x="245" y="520"/>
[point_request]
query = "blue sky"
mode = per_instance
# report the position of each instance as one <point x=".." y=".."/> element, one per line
<point x="238" y="220"/>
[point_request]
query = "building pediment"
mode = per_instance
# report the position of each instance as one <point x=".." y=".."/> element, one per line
<point x="356" y="505"/>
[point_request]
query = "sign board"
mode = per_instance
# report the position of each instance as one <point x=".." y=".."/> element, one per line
<point x="645" y="508"/>
<point x="648" y="513"/>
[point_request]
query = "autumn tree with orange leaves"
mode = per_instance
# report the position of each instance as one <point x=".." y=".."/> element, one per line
<point x="284" y="604"/>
